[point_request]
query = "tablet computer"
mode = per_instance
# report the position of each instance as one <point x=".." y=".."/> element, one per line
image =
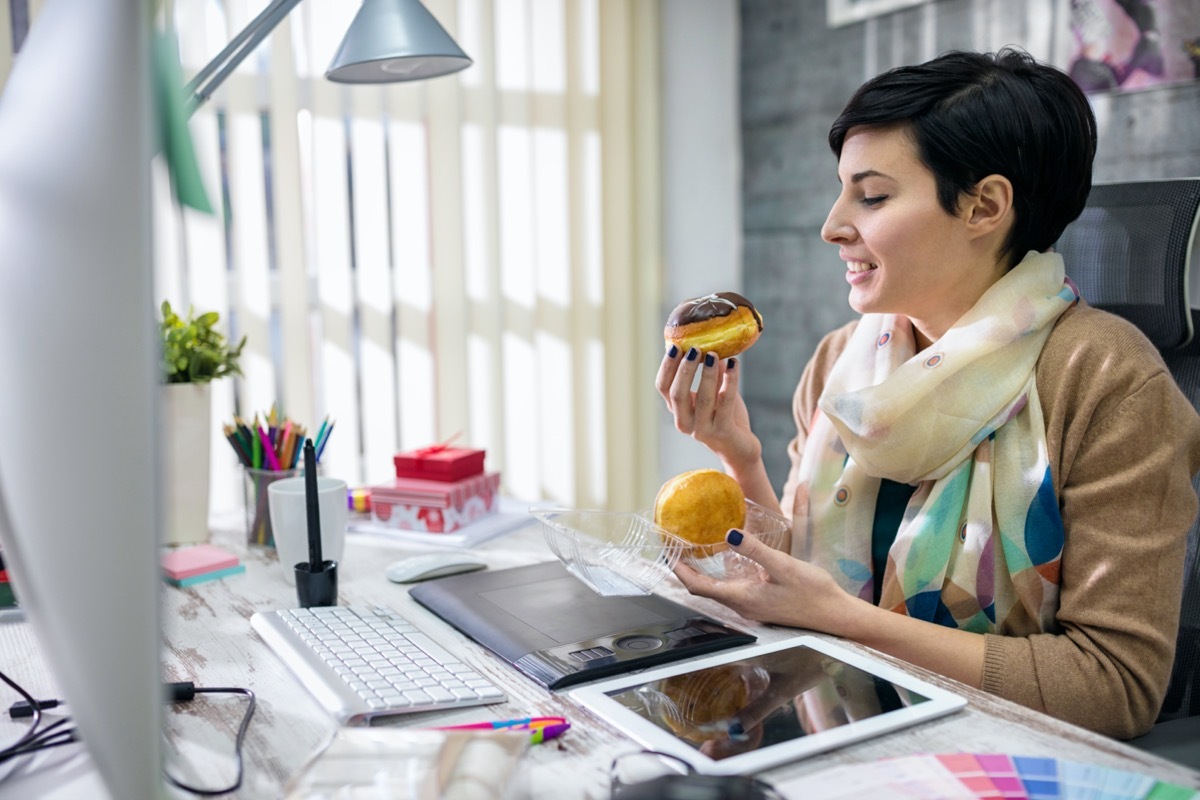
<point x="760" y="706"/>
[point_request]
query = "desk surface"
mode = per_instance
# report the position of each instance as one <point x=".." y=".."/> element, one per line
<point x="208" y="640"/>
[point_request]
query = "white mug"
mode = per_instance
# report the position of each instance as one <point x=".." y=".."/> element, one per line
<point x="289" y="521"/>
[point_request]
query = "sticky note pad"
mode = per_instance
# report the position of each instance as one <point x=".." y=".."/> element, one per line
<point x="206" y="576"/>
<point x="187" y="562"/>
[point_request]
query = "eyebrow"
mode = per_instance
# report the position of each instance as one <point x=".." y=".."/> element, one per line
<point x="858" y="177"/>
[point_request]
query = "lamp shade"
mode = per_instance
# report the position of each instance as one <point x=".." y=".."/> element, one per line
<point x="395" y="40"/>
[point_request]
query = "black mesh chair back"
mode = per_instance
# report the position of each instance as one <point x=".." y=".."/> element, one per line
<point x="1183" y="695"/>
<point x="1129" y="253"/>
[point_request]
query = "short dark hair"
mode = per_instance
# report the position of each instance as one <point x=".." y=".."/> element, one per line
<point x="976" y="114"/>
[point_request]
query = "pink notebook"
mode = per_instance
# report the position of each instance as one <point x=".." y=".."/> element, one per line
<point x="196" y="560"/>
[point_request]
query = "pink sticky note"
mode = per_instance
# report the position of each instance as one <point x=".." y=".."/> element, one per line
<point x="195" y="560"/>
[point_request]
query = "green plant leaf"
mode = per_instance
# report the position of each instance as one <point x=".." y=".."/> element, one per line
<point x="193" y="350"/>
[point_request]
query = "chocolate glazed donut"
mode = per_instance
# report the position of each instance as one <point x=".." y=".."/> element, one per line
<point x="724" y="323"/>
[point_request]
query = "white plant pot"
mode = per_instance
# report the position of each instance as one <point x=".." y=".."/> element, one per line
<point x="187" y="438"/>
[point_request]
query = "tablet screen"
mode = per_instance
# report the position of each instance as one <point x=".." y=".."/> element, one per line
<point x="771" y="698"/>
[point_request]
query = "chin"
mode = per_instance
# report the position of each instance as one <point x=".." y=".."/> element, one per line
<point x="862" y="305"/>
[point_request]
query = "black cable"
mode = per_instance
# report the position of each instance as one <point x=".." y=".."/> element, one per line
<point x="183" y="692"/>
<point x="31" y="734"/>
<point x="54" y="735"/>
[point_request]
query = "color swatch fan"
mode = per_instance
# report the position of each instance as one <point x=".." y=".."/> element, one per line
<point x="969" y="776"/>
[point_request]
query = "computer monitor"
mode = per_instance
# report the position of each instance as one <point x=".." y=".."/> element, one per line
<point x="78" y="373"/>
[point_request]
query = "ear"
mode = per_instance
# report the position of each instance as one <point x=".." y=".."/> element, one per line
<point x="989" y="209"/>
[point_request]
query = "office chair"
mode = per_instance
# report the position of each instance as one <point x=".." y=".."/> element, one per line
<point x="1130" y="253"/>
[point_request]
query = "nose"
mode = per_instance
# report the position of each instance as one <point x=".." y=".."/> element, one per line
<point x="837" y="228"/>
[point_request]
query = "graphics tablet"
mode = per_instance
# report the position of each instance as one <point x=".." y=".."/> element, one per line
<point x="765" y="705"/>
<point x="560" y="633"/>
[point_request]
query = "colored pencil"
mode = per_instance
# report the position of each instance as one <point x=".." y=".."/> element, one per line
<point x="325" y="440"/>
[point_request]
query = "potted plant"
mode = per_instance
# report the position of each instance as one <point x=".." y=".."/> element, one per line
<point x="194" y="355"/>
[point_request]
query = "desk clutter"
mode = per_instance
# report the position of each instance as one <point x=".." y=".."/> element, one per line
<point x="270" y="451"/>
<point x="996" y="776"/>
<point x="275" y="443"/>
<point x="187" y="566"/>
<point x="437" y="489"/>
<point x="440" y="490"/>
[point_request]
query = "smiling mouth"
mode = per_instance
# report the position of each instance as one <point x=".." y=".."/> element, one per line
<point x="860" y="266"/>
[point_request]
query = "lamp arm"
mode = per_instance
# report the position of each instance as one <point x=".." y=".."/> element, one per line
<point x="200" y="88"/>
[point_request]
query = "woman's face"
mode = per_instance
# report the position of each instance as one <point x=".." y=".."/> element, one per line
<point x="904" y="254"/>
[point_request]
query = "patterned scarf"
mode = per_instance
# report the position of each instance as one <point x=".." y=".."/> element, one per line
<point x="981" y="539"/>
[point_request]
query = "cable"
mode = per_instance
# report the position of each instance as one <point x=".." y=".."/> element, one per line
<point x="55" y="735"/>
<point x="31" y="740"/>
<point x="184" y="692"/>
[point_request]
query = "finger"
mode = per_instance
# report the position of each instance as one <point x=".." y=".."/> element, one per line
<point x="771" y="560"/>
<point x="681" y="391"/>
<point x="666" y="373"/>
<point x="706" y="392"/>
<point x="696" y="583"/>
<point x="728" y="395"/>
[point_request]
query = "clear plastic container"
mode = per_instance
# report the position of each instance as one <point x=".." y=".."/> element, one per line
<point x="616" y="553"/>
<point x="721" y="561"/>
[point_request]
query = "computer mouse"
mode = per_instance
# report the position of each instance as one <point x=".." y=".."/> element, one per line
<point x="431" y="565"/>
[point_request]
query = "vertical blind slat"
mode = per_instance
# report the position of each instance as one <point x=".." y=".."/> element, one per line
<point x="338" y="378"/>
<point x="646" y="203"/>
<point x="412" y="292"/>
<point x="445" y="160"/>
<point x="617" y="242"/>
<point x="585" y="327"/>
<point x="481" y="232"/>
<point x="291" y="264"/>
<point x="373" y="283"/>
<point x="517" y="267"/>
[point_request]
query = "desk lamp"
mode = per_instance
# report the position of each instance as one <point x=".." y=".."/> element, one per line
<point x="388" y="41"/>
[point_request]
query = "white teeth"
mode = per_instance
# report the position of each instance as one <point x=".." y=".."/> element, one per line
<point x="859" y="266"/>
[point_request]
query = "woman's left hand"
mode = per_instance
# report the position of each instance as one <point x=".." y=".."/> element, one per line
<point x="789" y="592"/>
<point x="795" y="593"/>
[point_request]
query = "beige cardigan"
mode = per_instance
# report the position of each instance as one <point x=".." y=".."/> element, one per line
<point x="1123" y="445"/>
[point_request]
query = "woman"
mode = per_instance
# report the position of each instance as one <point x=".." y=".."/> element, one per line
<point x="990" y="479"/>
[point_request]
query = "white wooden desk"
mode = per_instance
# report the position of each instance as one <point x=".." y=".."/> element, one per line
<point x="208" y="640"/>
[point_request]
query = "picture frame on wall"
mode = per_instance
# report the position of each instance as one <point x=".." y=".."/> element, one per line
<point x="845" y="12"/>
<point x="1126" y="45"/>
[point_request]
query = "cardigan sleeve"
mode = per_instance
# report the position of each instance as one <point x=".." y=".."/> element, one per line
<point x="1128" y="444"/>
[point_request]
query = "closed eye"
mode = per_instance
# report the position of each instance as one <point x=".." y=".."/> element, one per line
<point x="874" y="200"/>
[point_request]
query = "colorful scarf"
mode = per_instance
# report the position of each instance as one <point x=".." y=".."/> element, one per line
<point x="981" y="539"/>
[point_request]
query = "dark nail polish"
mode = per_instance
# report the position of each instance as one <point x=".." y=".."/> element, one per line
<point x="736" y="731"/>
<point x="709" y="360"/>
<point x="692" y="353"/>
<point x="674" y="351"/>
<point x="731" y="363"/>
<point x="734" y="537"/>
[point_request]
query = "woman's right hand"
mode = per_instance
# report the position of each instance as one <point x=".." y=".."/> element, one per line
<point x="715" y="414"/>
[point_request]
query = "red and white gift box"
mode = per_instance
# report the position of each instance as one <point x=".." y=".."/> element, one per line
<point x="414" y="504"/>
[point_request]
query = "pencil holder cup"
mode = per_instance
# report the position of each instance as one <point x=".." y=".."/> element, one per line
<point x="258" y="509"/>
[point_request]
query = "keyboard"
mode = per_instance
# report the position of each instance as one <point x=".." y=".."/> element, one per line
<point x="361" y="663"/>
